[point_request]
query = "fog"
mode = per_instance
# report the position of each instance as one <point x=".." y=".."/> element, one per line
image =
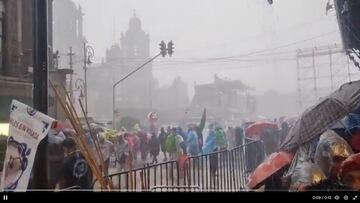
<point x="246" y="40"/>
<point x="204" y="29"/>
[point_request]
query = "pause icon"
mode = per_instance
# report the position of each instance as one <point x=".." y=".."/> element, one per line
<point x="5" y="197"/>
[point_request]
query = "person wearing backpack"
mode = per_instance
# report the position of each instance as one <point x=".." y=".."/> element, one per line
<point x="75" y="170"/>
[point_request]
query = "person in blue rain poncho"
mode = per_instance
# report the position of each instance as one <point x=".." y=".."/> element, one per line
<point x="210" y="142"/>
<point x="192" y="142"/>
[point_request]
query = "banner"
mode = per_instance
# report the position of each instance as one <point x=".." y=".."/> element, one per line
<point x="27" y="127"/>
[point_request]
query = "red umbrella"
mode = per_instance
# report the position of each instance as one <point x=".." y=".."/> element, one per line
<point x="271" y="165"/>
<point x="63" y="125"/>
<point x="257" y="128"/>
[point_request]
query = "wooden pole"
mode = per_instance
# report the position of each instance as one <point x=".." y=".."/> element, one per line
<point x="80" y="136"/>
<point x="98" y="150"/>
<point x="97" y="146"/>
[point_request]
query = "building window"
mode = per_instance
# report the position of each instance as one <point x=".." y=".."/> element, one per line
<point x="2" y="32"/>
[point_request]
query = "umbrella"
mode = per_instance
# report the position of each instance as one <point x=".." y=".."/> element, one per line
<point x="323" y="115"/>
<point x="257" y="128"/>
<point x="109" y="133"/>
<point x="271" y="165"/>
<point x="63" y="125"/>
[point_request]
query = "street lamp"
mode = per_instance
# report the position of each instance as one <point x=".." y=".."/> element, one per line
<point x="163" y="52"/>
<point x="88" y="56"/>
<point x="79" y="85"/>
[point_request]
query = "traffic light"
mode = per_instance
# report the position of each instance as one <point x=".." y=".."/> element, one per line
<point x="163" y="49"/>
<point x="170" y="48"/>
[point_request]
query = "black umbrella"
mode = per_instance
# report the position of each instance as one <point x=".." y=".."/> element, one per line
<point x="323" y="115"/>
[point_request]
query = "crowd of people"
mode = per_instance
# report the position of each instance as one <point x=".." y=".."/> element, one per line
<point x="137" y="146"/>
<point x="172" y="142"/>
<point x="128" y="147"/>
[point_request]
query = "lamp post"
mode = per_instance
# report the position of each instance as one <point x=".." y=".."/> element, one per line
<point x="79" y="85"/>
<point x="88" y="55"/>
<point x="124" y="78"/>
<point x="163" y="52"/>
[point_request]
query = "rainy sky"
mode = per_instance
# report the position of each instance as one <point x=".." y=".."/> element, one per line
<point x="237" y="39"/>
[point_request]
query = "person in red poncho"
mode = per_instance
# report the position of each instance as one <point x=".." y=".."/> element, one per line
<point x="349" y="172"/>
<point x="133" y="142"/>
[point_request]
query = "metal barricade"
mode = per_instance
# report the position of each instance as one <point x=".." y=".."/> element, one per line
<point x="220" y="171"/>
<point x="225" y="170"/>
<point x="143" y="178"/>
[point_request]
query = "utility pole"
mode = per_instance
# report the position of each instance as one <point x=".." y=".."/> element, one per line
<point x="71" y="63"/>
<point x="40" y="90"/>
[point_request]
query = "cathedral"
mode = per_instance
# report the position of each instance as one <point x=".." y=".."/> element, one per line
<point x="134" y="51"/>
<point x="139" y="94"/>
